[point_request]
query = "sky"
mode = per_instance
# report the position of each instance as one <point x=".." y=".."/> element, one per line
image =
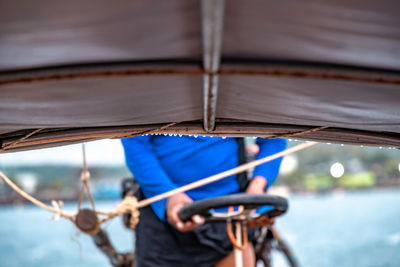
<point x="103" y="152"/>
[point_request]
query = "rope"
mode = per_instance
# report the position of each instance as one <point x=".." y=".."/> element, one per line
<point x="16" y="142"/>
<point x="56" y="210"/>
<point x="286" y="135"/>
<point x="58" y="207"/>
<point x="219" y="176"/>
<point x="13" y="144"/>
<point x="130" y="204"/>
<point x="242" y="242"/>
<point x="233" y="239"/>
<point x="147" y="131"/>
<point x="127" y="205"/>
<point x="85" y="176"/>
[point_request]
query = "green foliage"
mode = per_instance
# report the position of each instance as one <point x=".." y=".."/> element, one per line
<point x="313" y="182"/>
<point x="364" y="167"/>
<point x="391" y="168"/>
<point x="58" y="184"/>
<point x="64" y="176"/>
<point x="358" y="180"/>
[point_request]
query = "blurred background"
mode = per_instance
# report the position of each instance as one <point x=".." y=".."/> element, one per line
<point x="344" y="205"/>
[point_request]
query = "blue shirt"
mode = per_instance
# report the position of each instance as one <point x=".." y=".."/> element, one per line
<point x="162" y="163"/>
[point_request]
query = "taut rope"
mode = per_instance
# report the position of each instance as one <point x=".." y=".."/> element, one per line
<point x="130" y="204"/>
<point x="56" y="210"/>
<point x="13" y="144"/>
<point x="85" y="176"/>
<point x="219" y="176"/>
<point x="300" y="133"/>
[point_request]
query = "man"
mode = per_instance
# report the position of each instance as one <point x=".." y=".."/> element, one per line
<point x="162" y="163"/>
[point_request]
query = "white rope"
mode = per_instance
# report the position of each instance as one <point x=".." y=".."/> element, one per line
<point x="219" y="176"/>
<point x="25" y="195"/>
<point x="130" y="204"/>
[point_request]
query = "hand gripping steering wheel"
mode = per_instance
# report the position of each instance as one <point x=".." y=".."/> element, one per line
<point x="253" y="206"/>
<point x="249" y="207"/>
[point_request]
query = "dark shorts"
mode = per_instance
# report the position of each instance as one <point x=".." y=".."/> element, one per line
<point x="159" y="244"/>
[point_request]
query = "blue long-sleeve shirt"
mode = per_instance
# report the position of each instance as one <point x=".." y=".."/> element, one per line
<point x="162" y="163"/>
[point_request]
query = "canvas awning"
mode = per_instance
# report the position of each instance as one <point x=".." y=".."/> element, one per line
<point x="83" y="70"/>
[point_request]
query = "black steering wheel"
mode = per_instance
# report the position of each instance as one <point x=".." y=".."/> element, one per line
<point x="253" y="206"/>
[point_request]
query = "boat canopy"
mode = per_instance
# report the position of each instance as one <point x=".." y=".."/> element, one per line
<point x="322" y="70"/>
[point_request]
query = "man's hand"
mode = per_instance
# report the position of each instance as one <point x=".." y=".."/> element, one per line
<point x="257" y="186"/>
<point x="174" y="204"/>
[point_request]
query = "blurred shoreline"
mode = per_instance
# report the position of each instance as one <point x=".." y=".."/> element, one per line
<point x="48" y="195"/>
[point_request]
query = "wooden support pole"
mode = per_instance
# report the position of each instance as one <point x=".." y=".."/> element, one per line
<point x="87" y="221"/>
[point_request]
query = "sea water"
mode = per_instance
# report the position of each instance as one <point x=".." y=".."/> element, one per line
<point x="334" y="229"/>
<point x="344" y="228"/>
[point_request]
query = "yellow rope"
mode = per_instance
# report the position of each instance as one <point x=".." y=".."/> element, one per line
<point x="127" y="205"/>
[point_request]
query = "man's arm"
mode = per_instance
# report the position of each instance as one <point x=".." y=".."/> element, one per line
<point x="264" y="175"/>
<point x="147" y="170"/>
<point x="153" y="180"/>
<point x="270" y="170"/>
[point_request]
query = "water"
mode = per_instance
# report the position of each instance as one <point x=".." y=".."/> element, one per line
<point x="348" y="229"/>
<point x="29" y="238"/>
